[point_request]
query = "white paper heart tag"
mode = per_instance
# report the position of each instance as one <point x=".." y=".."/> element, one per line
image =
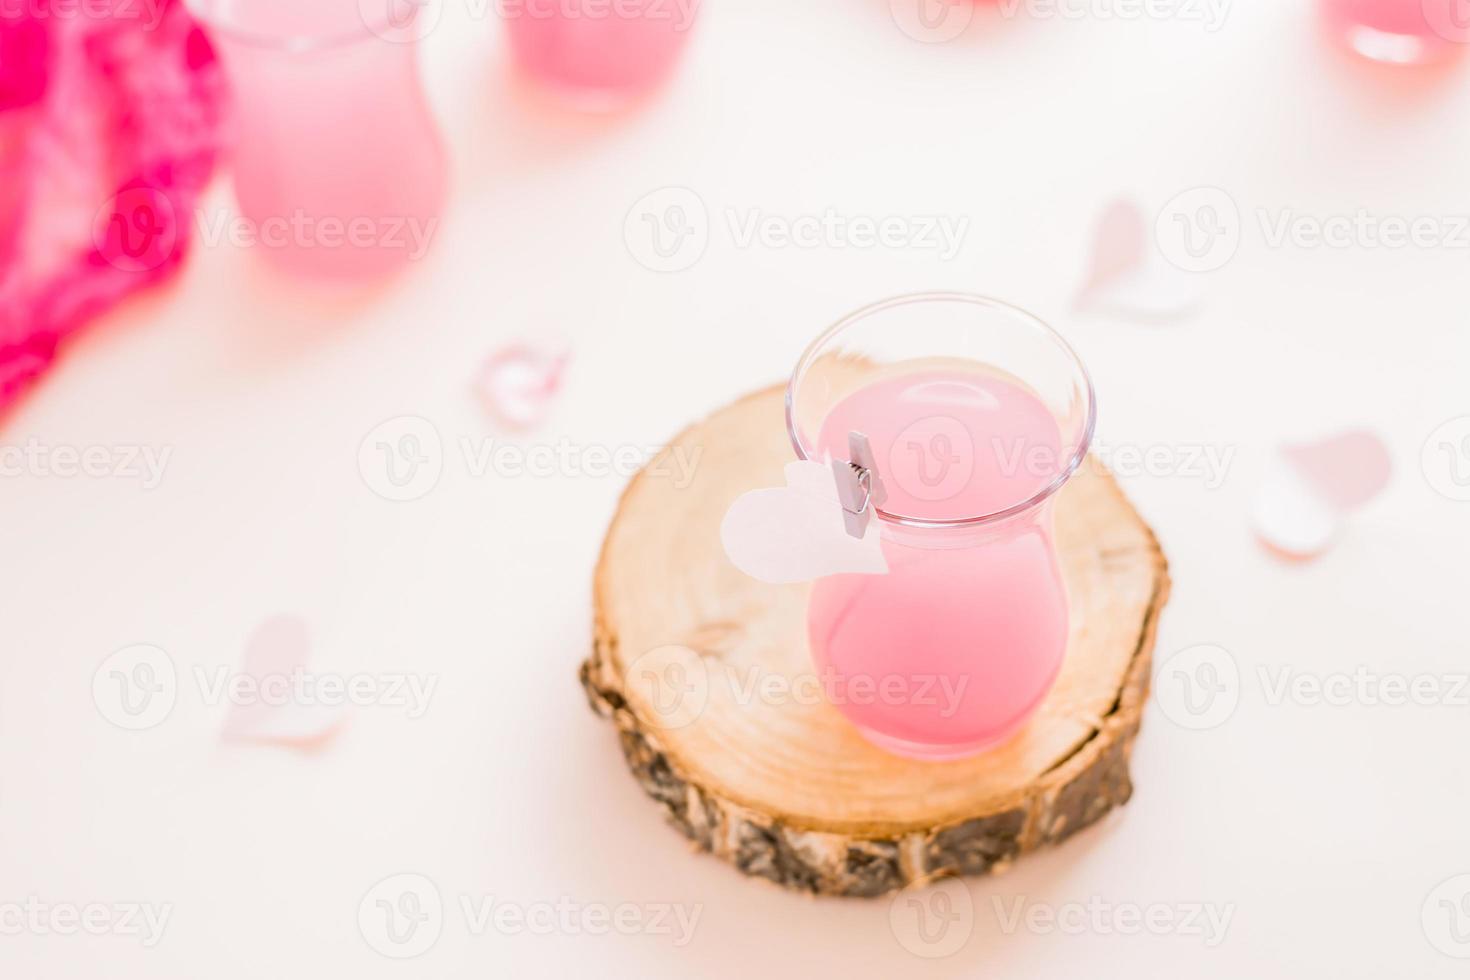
<point x="796" y="533"/>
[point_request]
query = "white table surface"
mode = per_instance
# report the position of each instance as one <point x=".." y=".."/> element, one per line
<point x="1321" y="830"/>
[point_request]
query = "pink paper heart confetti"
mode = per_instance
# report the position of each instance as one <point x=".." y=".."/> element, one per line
<point x="519" y="382"/>
<point x="274" y="708"/>
<point x="796" y="533"/>
<point x="1128" y="276"/>
<point x="1311" y="489"/>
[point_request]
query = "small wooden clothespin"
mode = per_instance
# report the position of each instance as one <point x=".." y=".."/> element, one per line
<point x="859" y="488"/>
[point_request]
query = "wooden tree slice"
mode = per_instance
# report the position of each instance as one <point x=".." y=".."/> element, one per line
<point x="775" y="780"/>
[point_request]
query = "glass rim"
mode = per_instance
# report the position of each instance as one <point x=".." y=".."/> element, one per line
<point x="1074" y="462"/>
<point x="207" y="12"/>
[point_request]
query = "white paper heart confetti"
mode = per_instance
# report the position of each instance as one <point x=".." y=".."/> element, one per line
<point x="519" y="382"/>
<point x="1129" y="277"/>
<point x="796" y="533"/>
<point x="273" y="707"/>
<point x="1311" y="488"/>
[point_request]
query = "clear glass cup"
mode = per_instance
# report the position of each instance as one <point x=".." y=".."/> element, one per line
<point x="1400" y="32"/>
<point x="598" y="54"/>
<point x="339" y="169"/>
<point x="976" y="413"/>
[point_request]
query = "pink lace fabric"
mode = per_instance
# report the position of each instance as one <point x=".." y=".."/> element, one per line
<point x="110" y="119"/>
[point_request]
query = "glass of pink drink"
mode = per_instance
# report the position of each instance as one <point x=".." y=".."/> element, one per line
<point x="339" y="169"/>
<point x="1402" y="32"/>
<point x="598" y="54"/>
<point x="977" y="413"/>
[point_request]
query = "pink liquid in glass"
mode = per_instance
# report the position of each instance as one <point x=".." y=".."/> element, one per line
<point x="599" y="53"/>
<point x="956" y="647"/>
<point x="339" y="167"/>
<point x="1405" y="32"/>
